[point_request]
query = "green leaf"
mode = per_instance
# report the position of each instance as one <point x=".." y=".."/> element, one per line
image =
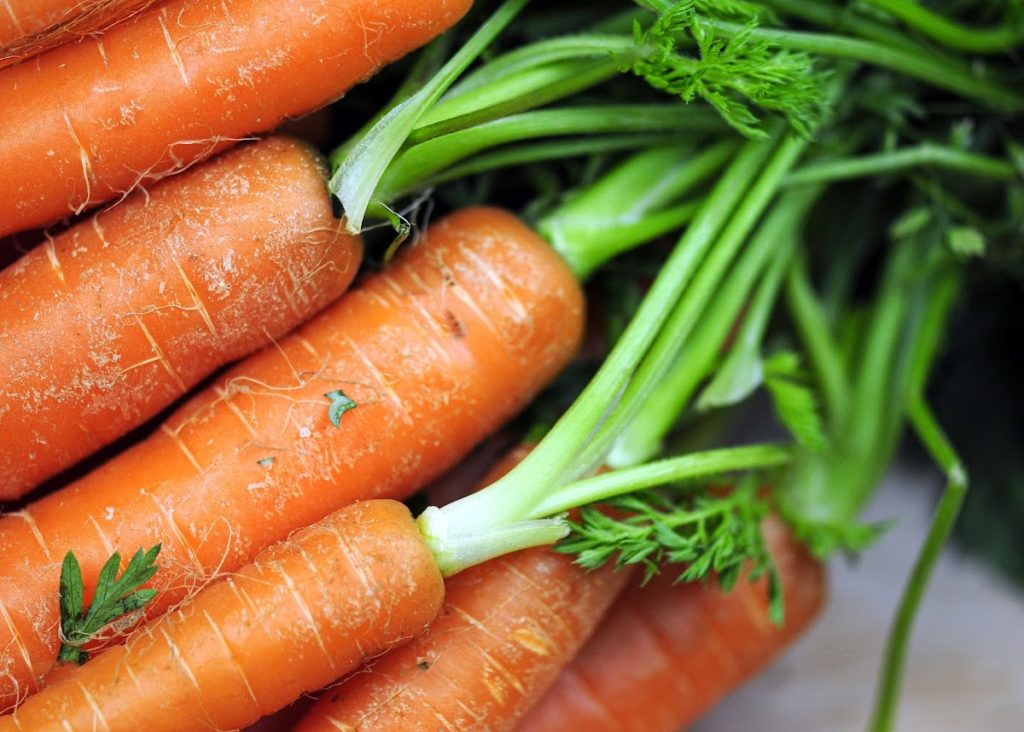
<point x="966" y="241"/>
<point x="795" y="402"/>
<point x="114" y="598"/>
<point x="340" y="404"/>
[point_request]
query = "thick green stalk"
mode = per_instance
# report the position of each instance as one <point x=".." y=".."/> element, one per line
<point x="630" y="204"/>
<point x="644" y="436"/>
<point x="670" y="342"/>
<point x="427" y="159"/>
<point x="456" y="549"/>
<point x="537" y="152"/>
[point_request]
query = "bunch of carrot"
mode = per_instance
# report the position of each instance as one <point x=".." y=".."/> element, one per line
<point x="278" y="563"/>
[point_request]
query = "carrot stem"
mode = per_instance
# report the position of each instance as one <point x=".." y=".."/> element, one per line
<point x="357" y="177"/>
<point x="457" y="549"/>
<point x="644" y="435"/>
<point x="926" y="155"/>
<point x="935" y="441"/>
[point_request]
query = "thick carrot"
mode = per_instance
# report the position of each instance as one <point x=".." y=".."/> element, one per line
<point x="308" y="610"/>
<point x="154" y="295"/>
<point x="506" y="629"/>
<point x="668" y="653"/>
<point x="436" y="352"/>
<point x="86" y="122"/>
<point x="29" y="27"/>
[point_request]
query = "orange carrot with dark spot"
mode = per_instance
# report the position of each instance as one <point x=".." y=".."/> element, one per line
<point x="305" y="612"/>
<point x="88" y="121"/>
<point x="436" y="352"/>
<point x="506" y="629"/>
<point x="666" y="653"/>
<point x="108" y="323"/>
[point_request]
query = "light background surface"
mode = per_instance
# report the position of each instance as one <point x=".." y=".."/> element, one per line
<point x="966" y="663"/>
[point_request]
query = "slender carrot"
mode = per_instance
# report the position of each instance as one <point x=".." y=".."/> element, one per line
<point x="308" y="610"/>
<point x="435" y="352"/>
<point x="668" y="653"/>
<point x="29" y="27"/>
<point x="90" y="120"/>
<point x="506" y="629"/>
<point x="154" y="295"/>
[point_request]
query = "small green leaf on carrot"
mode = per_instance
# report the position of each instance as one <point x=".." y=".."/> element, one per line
<point x="114" y="598"/>
<point x="266" y="462"/>
<point x="340" y="403"/>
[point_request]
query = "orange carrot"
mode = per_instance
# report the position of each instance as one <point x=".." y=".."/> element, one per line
<point x="29" y="27"/>
<point x="668" y="653"/>
<point x="87" y="121"/>
<point x="308" y="610"/>
<point x="436" y="352"/>
<point x="506" y="629"/>
<point x="154" y="295"/>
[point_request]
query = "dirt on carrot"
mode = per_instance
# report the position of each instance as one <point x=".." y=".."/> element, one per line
<point x="109" y="322"/>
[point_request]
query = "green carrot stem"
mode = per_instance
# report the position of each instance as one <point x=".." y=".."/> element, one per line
<point x="458" y="547"/>
<point x="630" y="204"/>
<point x="943" y="74"/>
<point x="817" y="340"/>
<point x="895" y="161"/>
<point x="661" y="472"/>
<point x="536" y="152"/>
<point x="644" y="435"/>
<point x="934" y="439"/>
<point x="431" y="157"/>
<point x="847" y="19"/>
<point x="357" y="176"/>
<point x="528" y="90"/>
<point x="995" y="39"/>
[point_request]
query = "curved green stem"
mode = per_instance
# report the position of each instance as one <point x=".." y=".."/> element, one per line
<point x="996" y="39"/>
<point x="894" y="161"/>
<point x="935" y="441"/>
<point x="939" y="72"/>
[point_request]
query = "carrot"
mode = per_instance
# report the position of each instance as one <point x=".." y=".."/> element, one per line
<point x="90" y="120"/>
<point x="29" y="27"/>
<point x="668" y="653"/>
<point x="506" y="629"/>
<point x="306" y="611"/>
<point x="436" y="352"/>
<point x="155" y="294"/>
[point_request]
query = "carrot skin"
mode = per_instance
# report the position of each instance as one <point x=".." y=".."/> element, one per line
<point x="88" y="121"/>
<point x="305" y="612"/>
<point x="437" y="351"/>
<point x="505" y="631"/>
<point x="666" y="654"/>
<point x="108" y="323"/>
<point x="29" y="27"/>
